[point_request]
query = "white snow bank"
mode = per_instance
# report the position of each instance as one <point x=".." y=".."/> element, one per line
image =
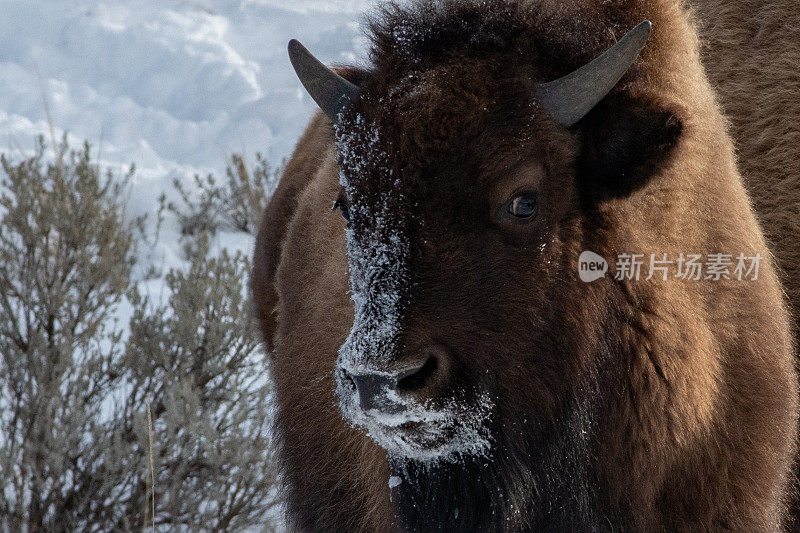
<point x="174" y="86"/>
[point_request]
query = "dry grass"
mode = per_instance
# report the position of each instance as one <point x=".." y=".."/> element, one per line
<point x="150" y="499"/>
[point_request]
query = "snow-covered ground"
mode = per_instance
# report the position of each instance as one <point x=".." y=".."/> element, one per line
<point x="173" y="86"/>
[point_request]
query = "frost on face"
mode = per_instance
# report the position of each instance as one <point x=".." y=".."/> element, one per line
<point x="406" y="37"/>
<point x="378" y="249"/>
<point x="425" y="433"/>
<point x="378" y="253"/>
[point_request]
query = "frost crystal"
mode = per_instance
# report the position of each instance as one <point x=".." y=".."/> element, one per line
<point x="378" y="255"/>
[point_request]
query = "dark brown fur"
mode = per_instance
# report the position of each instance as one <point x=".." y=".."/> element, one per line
<point x="752" y="51"/>
<point x="648" y="406"/>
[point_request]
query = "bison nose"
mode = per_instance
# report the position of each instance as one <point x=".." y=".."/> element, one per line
<point x="383" y="391"/>
<point x="373" y="391"/>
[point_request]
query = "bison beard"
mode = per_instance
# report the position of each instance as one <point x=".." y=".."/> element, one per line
<point x="534" y="478"/>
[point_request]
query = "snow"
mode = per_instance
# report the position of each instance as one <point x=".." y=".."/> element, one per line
<point x="172" y="86"/>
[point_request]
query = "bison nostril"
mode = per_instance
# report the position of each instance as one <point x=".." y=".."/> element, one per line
<point x="373" y="390"/>
<point x="415" y="378"/>
<point x="349" y="380"/>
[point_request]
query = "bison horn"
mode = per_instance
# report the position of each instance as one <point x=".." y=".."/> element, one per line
<point x="329" y="90"/>
<point x="570" y="98"/>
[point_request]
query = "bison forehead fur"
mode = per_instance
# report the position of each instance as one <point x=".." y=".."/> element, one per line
<point x="442" y="328"/>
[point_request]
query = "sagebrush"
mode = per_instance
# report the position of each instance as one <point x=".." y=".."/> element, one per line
<point x="75" y="381"/>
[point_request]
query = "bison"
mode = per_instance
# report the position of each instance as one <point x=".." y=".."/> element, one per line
<point x="439" y="362"/>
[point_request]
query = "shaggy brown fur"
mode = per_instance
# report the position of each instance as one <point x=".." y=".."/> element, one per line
<point x="624" y="405"/>
<point x="751" y="50"/>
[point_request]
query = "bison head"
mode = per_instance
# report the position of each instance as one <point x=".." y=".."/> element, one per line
<point x="469" y="187"/>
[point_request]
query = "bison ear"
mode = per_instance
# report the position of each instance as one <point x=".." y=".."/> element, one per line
<point x="355" y="75"/>
<point x="625" y="140"/>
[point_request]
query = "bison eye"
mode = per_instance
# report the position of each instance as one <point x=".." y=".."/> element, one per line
<point x="522" y="206"/>
<point x="343" y="205"/>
